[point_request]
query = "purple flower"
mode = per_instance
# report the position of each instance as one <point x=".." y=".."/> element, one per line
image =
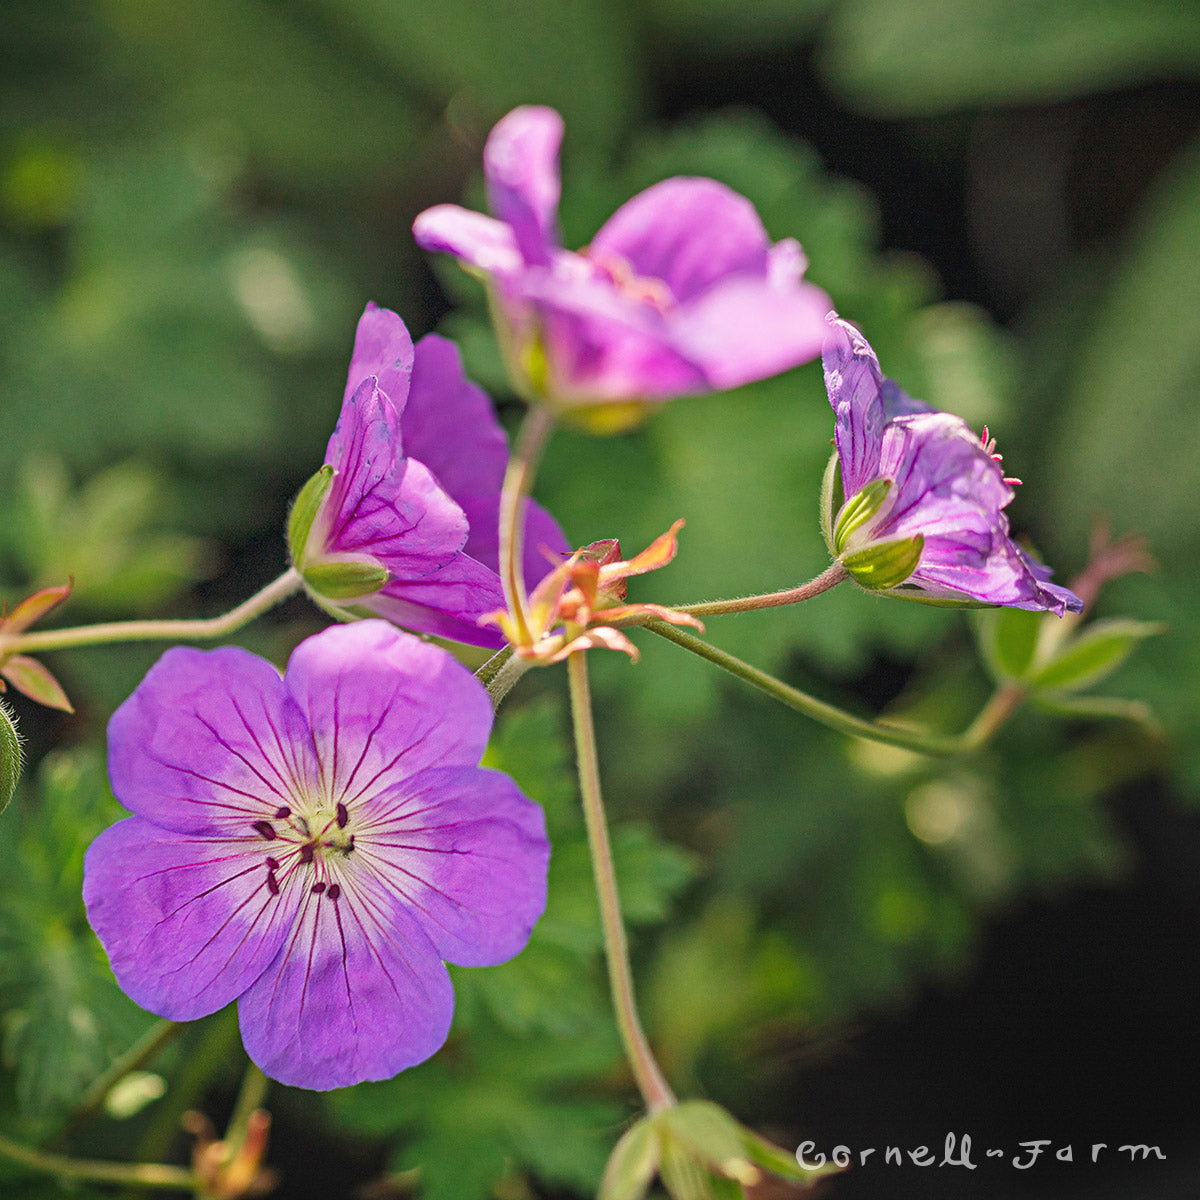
<point x="313" y="846"/>
<point x="402" y="521"/>
<point x="681" y="291"/>
<point x="924" y="496"/>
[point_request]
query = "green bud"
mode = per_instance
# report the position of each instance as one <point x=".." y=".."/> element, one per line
<point x="345" y="579"/>
<point x="633" y="1164"/>
<point x="885" y="564"/>
<point x="858" y="510"/>
<point x="10" y="756"/>
<point x="1008" y="640"/>
<point x="304" y="512"/>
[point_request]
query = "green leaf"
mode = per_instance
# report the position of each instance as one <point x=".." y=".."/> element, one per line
<point x="781" y="1162"/>
<point x="10" y="756"/>
<point x="1090" y="708"/>
<point x="1131" y="364"/>
<point x="710" y="1136"/>
<point x="1093" y="654"/>
<point x="930" y="56"/>
<point x="1008" y="639"/>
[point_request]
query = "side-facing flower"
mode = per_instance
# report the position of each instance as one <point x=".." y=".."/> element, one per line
<point x="581" y="605"/>
<point x="315" y="846"/>
<point x="681" y="290"/>
<point x="402" y="521"/>
<point x="924" y="496"/>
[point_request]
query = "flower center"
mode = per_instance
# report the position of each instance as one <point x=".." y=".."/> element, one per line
<point x="641" y="289"/>
<point x="318" y="838"/>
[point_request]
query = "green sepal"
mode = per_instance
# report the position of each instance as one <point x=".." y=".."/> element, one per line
<point x="777" y="1161"/>
<point x="885" y="564"/>
<point x="633" y="1163"/>
<point x="304" y="512"/>
<point x="345" y="579"/>
<point x="829" y="483"/>
<point x="10" y="756"/>
<point x="1008" y="641"/>
<point x="858" y="510"/>
<point x="1093" y="654"/>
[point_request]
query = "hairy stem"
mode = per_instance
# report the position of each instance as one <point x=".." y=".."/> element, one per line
<point x="654" y="1088"/>
<point x="834" y="574"/>
<point x="156" y="1176"/>
<point x="154" y="631"/>
<point x="518" y="482"/>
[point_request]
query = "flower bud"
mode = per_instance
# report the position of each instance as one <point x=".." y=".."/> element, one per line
<point x="10" y="757"/>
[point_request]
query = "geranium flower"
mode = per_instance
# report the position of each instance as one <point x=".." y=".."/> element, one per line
<point x="402" y="522"/>
<point x="681" y="291"/>
<point x="313" y="846"/>
<point x="924" y="496"/>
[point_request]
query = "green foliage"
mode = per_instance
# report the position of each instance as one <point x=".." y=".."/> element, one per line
<point x="64" y="1019"/>
<point x="928" y="56"/>
<point x="99" y="536"/>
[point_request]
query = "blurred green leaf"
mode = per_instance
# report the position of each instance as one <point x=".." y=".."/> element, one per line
<point x="929" y="56"/>
<point x="1093" y="654"/>
<point x="718" y="27"/>
<point x="1117" y="428"/>
<point x="98" y="536"/>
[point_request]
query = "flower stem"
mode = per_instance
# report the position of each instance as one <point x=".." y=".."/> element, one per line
<point x="655" y="1091"/>
<point x="153" y="631"/>
<point x="145" y="1050"/>
<point x="518" y="482"/>
<point x="1004" y="701"/>
<point x="500" y="672"/>
<point x="834" y="574"/>
<point x="893" y="735"/>
<point x="158" y="1176"/>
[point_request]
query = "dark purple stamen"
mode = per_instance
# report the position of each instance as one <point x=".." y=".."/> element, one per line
<point x="342" y="815"/>
<point x="272" y="863"/>
<point x="264" y="829"/>
<point x="306" y="853"/>
<point x="317" y="888"/>
<point x="282" y="813"/>
<point x="272" y="884"/>
<point x="350" y="843"/>
<point x="335" y="890"/>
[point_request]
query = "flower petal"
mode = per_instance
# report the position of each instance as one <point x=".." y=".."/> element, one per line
<point x="383" y="705"/>
<point x="853" y="380"/>
<point x="688" y="232"/>
<point x="744" y="329"/>
<point x="209" y="743"/>
<point x="447" y="603"/>
<point x="383" y="348"/>
<point x="450" y="424"/>
<point x="380" y="503"/>
<point x="604" y="344"/>
<point x="357" y="992"/>
<point x="467" y="853"/>
<point x="520" y="164"/>
<point x="481" y="241"/>
<point x="188" y="923"/>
